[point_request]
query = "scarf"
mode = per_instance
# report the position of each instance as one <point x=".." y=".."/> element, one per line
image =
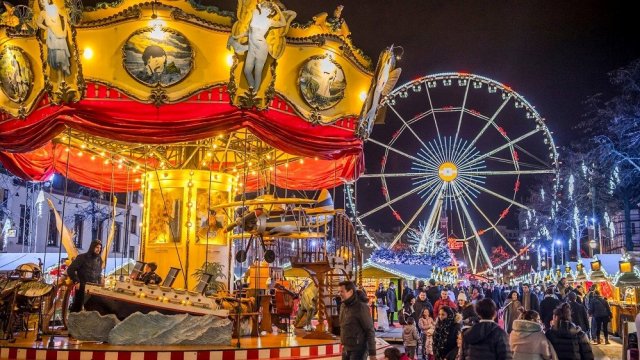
<point x="526" y="299"/>
<point x="441" y="334"/>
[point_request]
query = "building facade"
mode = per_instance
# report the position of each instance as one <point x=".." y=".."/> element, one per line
<point x="616" y="244"/>
<point x="28" y="225"/>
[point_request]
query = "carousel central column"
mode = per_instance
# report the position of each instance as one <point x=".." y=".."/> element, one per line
<point x="180" y="230"/>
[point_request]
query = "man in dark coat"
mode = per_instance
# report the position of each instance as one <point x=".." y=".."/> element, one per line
<point x="419" y="288"/>
<point x="486" y="340"/>
<point x="85" y="268"/>
<point x="392" y="301"/>
<point x="357" y="334"/>
<point x="433" y="293"/>
<point x="406" y="291"/>
<point x="578" y="313"/>
<point x="548" y="304"/>
<point x="149" y="276"/>
<point x="600" y="310"/>
<point x="529" y="299"/>
<point x="422" y="303"/>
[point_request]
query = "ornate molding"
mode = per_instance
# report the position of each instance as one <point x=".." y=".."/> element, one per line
<point x="158" y="96"/>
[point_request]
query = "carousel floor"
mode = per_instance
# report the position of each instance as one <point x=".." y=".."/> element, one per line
<point x="270" y="346"/>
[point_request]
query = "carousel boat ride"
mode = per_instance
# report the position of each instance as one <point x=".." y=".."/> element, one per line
<point x="234" y="127"/>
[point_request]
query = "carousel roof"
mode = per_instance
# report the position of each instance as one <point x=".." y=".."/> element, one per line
<point x="133" y="86"/>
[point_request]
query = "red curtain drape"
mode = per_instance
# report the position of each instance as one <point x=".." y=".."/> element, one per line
<point x="27" y="150"/>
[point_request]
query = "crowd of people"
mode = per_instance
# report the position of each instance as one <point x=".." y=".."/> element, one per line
<point x="447" y="322"/>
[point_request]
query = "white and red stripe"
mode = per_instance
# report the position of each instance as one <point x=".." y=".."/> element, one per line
<point x="332" y="351"/>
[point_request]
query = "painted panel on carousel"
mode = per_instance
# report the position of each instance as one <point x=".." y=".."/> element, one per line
<point x="16" y="74"/>
<point x="258" y="41"/>
<point x="62" y="68"/>
<point x="385" y="78"/>
<point x="158" y="56"/>
<point x="322" y="82"/>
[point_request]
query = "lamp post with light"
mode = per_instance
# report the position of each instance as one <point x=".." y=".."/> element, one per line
<point x="561" y="244"/>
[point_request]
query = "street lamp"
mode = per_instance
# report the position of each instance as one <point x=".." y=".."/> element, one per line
<point x="592" y="246"/>
<point x="559" y="242"/>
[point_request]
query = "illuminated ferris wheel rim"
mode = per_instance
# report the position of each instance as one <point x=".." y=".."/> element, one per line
<point x="449" y="169"/>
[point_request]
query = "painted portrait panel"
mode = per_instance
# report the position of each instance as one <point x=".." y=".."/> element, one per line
<point x="16" y="75"/>
<point x="158" y="56"/>
<point x="322" y="82"/>
<point x="165" y="212"/>
<point x="211" y="224"/>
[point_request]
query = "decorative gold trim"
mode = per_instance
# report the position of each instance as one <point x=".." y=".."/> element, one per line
<point x="151" y="29"/>
<point x="158" y="96"/>
<point x="349" y="51"/>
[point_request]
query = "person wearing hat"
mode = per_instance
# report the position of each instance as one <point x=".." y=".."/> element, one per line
<point x="85" y="268"/>
<point x="149" y="276"/>
<point x="462" y="301"/>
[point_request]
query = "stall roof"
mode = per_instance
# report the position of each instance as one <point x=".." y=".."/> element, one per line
<point x="409" y="272"/>
<point x="609" y="263"/>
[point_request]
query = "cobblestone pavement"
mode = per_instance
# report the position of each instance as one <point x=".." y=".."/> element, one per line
<point x="612" y="351"/>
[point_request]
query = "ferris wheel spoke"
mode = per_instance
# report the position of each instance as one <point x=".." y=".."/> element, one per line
<point x="464" y="103"/>
<point x="433" y="113"/>
<point x="397" y="151"/>
<point x="437" y="151"/>
<point x="407" y="125"/>
<point x="544" y="163"/>
<point x="393" y="201"/>
<point x="464" y="158"/>
<point x="502" y="147"/>
<point x="475" y="192"/>
<point x="415" y="215"/>
<point x="428" y="157"/>
<point x="520" y="163"/>
<point x="463" y="229"/>
<point x="492" y="224"/>
<point x="392" y="175"/>
<point x="473" y="226"/>
<point x="490" y="122"/>
<point x="507" y="172"/>
<point x="490" y="192"/>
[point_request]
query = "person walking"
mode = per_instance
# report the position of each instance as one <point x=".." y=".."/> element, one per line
<point x="392" y="302"/>
<point x="410" y="338"/>
<point x="406" y="292"/>
<point x="548" y="304"/>
<point x="421" y="303"/>
<point x="568" y="340"/>
<point x="527" y="339"/>
<point x="433" y="292"/>
<point x="485" y="340"/>
<point x="444" y="301"/>
<point x="529" y="299"/>
<point x="445" y="335"/>
<point x="600" y="310"/>
<point x="381" y="308"/>
<point x="511" y="311"/>
<point x="408" y="310"/>
<point x="85" y="268"/>
<point x="578" y="312"/>
<point x="357" y="334"/>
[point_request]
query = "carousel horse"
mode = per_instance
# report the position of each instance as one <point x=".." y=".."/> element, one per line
<point x="307" y="308"/>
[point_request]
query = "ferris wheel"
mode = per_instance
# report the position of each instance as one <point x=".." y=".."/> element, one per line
<point x="456" y="157"/>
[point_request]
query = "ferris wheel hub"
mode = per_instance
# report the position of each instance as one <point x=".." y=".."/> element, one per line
<point x="448" y="171"/>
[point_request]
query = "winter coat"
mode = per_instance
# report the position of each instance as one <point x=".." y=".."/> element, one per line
<point x="579" y="315"/>
<point x="528" y="342"/>
<point x="392" y="300"/>
<point x="569" y="342"/>
<point x="381" y="297"/>
<point x="410" y="335"/>
<point x="406" y="294"/>
<point x="87" y="267"/>
<point x="599" y="307"/>
<point x="356" y="325"/>
<point x="548" y="304"/>
<point x="421" y="305"/>
<point x="151" y="278"/>
<point x="485" y="341"/>
<point x="440" y="303"/>
<point x="534" y="302"/>
<point x="433" y="294"/>
<point x="407" y="312"/>
<point x="510" y="314"/>
<point x="427" y="326"/>
<point x="450" y="342"/>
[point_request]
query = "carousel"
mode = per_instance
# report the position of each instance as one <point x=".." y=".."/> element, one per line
<point x="236" y="127"/>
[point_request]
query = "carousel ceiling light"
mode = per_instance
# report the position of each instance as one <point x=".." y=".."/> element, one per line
<point x="87" y="53"/>
<point x="93" y="157"/>
<point x="363" y="95"/>
<point x="229" y="59"/>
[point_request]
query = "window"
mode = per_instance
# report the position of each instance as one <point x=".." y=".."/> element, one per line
<point x="78" y="227"/>
<point x="633" y="228"/>
<point x="4" y="198"/>
<point x="52" y="236"/>
<point x="133" y="224"/>
<point x="117" y="237"/>
<point x="135" y="197"/>
<point x="132" y="252"/>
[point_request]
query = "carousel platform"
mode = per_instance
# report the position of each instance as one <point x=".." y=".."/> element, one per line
<point x="270" y="346"/>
